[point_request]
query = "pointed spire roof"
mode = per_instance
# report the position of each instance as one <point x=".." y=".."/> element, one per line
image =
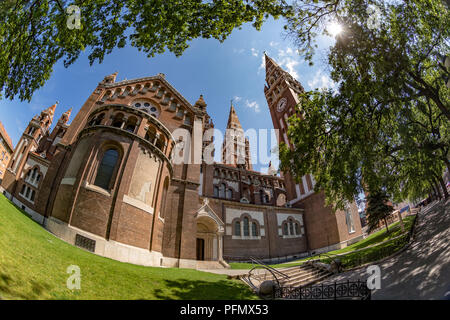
<point x="52" y="109"/>
<point x="270" y="61"/>
<point x="66" y="115"/>
<point x="233" y="120"/>
<point x="200" y="102"/>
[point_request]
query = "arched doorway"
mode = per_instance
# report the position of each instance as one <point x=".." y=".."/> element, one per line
<point x="209" y="236"/>
<point x="207" y="239"/>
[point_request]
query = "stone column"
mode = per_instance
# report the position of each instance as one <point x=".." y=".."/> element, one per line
<point x="220" y="245"/>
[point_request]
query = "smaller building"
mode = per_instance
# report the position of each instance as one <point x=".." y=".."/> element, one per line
<point x="6" y="150"/>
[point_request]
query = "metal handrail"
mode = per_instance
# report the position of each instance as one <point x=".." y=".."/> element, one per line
<point x="317" y="257"/>
<point x="258" y="262"/>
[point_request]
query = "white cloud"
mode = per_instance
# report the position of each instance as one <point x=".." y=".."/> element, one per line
<point x="262" y="66"/>
<point x="238" y="51"/>
<point x="252" y="105"/>
<point x="237" y="98"/>
<point x="255" y="52"/>
<point x="321" y="81"/>
<point x="273" y="44"/>
<point x="289" y="60"/>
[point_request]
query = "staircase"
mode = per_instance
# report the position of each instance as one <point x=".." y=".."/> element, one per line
<point x="287" y="277"/>
<point x="303" y="275"/>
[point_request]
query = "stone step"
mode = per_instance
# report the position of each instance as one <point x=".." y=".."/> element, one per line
<point x="307" y="275"/>
<point x="308" y="281"/>
<point x="298" y="271"/>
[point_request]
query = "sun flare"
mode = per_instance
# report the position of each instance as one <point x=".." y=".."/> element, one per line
<point x="334" y="29"/>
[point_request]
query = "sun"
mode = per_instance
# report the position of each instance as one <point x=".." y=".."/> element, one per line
<point x="334" y="28"/>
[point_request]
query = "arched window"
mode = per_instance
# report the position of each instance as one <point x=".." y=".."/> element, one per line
<point x="222" y="190"/>
<point x="229" y="194"/>
<point x="34" y="173"/>
<point x="237" y="228"/>
<point x="291" y="227"/>
<point x="246" y="227"/>
<point x="163" y="198"/>
<point x="254" y="229"/>
<point x="118" y="120"/>
<point x="285" y="229"/>
<point x="151" y="135"/>
<point x="131" y="124"/>
<point x="262" y="196"/>
<point x="216" y="191"/>
<point x="297" y="229"/>
<point x="106" y="169"/>
<point x="160" y="143"/>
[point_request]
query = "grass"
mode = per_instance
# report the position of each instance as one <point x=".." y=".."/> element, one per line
<point x="33" y="265"/>
<point x="373" y="239"/>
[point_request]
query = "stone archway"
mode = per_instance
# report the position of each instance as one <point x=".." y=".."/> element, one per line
<point x="209" y="237"/>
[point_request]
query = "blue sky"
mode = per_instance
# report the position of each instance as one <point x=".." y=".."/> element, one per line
<point x="233" y="69"/>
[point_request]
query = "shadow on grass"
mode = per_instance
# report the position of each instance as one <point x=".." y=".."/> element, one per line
<point x="35" y="290"/>
<point x="203" y="290"/>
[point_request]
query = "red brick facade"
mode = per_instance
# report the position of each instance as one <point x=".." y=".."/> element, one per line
<point x="111" y="177"/>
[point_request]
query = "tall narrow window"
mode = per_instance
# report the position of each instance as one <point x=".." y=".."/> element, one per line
<point x="349" y="220"/>
<point x="285" y="229"/>
<point x="246" y="227"/>
<point x="254" y="229"/>
<point x="229" y="194"/>
<point x="291" y="227"/>
<point x="297" y="229"/>
<point x="222" y="190"/>
<point x="237" y="228"/>
<point x="106" y="169"/>
<point x="216" y="191"/>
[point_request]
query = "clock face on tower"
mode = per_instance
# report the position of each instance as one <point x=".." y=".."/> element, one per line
<point x="281" y="104"/>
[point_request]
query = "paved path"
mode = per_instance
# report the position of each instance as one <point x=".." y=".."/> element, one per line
<point x="422" y="271"/>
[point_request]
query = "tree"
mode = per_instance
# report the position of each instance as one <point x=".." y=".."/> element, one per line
<point x="34" y="35"/>
<point x="378" y="209"/>
<point x="391" y="112"/>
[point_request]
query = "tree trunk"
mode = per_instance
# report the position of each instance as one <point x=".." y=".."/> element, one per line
<point x="433" y="191"/>
<point x="402" y="225"/>
<point x="444" y="187"/>
<point x="387" y="228"/>
<point x="438" y="189"/>
<point x="436" y="186"/>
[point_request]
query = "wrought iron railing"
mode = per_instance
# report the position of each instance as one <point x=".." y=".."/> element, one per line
<point x="335" y="291"/>
<point x="278" y="273"/>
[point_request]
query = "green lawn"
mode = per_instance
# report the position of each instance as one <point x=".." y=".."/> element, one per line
<point x="376" y="237"/>
<point x="33" y="265"/>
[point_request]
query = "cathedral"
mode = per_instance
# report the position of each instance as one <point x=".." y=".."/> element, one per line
<point x="108" y="182"/>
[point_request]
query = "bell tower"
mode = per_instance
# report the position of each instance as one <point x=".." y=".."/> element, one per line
<point x="29" y="142"/>
<point x="281" y="91"/>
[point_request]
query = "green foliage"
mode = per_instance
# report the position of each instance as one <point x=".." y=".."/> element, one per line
<point x="34" y="34"/>
<point x="387" y="126"/>
<point x="378" y="209"/>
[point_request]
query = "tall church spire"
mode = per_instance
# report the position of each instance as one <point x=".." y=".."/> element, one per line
<point x="236" y="147"/>
<point x="233" y="120"/>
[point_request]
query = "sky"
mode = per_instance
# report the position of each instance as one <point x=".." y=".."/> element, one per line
<point x="221" y="72"/>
